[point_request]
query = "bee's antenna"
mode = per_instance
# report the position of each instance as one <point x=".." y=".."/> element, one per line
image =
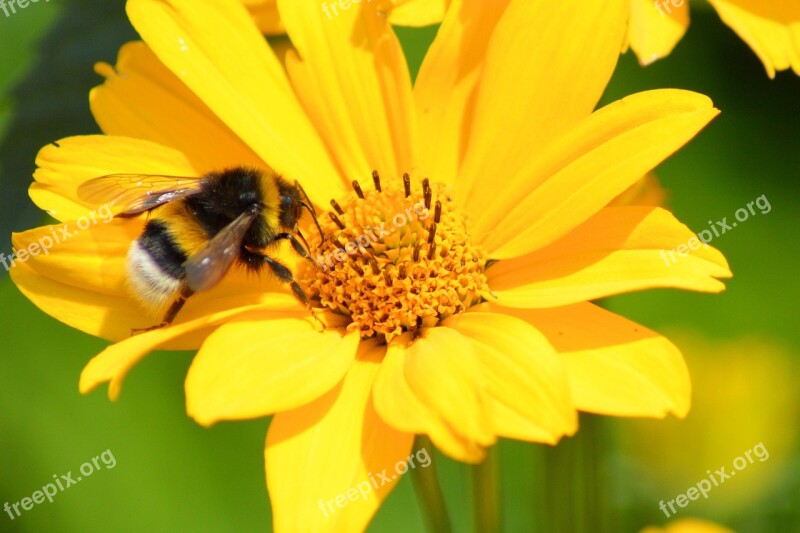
<point x="314" y="216"/>
<point x="308" y="205"/>
<point x="305" y="243"/>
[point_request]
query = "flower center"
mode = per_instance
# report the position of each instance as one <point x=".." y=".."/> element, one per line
<point x="395" y="260"/>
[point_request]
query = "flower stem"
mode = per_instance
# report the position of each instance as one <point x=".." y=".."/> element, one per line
<point x="575" y="481"/>
<point x="486" y="487"/>
<point x="429" y="493"/>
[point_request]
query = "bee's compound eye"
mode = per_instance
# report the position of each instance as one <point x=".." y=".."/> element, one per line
<point x="287" y="204"/>
<point x="290" y="211"/>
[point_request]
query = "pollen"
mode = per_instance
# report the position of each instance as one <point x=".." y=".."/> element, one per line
<point x="395" y="258"/>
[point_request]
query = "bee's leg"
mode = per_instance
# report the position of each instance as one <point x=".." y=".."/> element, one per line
<point x="176" y="306"/>
<point x="285" y="275"/>
<point x="301" y="251"/>
<point x="172" y="312"/>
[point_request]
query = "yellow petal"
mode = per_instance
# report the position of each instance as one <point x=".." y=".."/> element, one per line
<point x="688" y="525"/>
<point x="400" y="13"/>
<point x="585" y="169"/>
<point x="417" y="12"/>
<point x="113" y="363"/>
<point x="770" y="27"/>
<point x="265" y="14"/>
<point x="646" y="191"/>
<point x="402" y="409"/>
<point x="655" y="27"/>
<point x="257" y="367"/>
<point x="82" y="253"/>
<point x="141" y="98"/>
<point x="353" y="80"/>
<point x="621" y="249"/>
<point x="63" y="166"/>
<point x="101" y="315"/>
<point x="546" y="67"/>
<point x="324" y="461"/>
<point x="444" y="372"/>
<point x="217" y="51"/>
<point x="444" y="91"/>
<point x="616" y="367"/>
<point x="526" y="380"/>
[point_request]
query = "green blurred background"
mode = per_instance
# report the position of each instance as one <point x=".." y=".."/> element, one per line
<point x="171" y="475"/>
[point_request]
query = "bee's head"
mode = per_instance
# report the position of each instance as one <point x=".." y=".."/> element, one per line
<point x="293" y="201"/>
<point x="291" y="208"/>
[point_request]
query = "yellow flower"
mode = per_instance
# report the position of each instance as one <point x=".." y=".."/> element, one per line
<point x="689" y="525"/>
<point x="770" y="27"/>
<point x="489" y="331"/>
<point x="399" y="12"/>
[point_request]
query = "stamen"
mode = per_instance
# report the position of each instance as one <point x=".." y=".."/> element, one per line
<point x="336" y="220"/>
<point x="373" y="264"/>
<point x="387" y="278"/>
<point x="337" y="242"/>
<point x="377" y="180"/>
<point x="416" y="252"/>
<point x="351" y="235"/>
<point x="407" y="184"/>
<point x="401" y="274"/>
<point x="426" y="190"/>
<point x="431" y="243"/>
<point x="438" y="214"/>
<point x="357" y="188"/>
<point x="338" y="209"/>
<point x="357" y="268"/>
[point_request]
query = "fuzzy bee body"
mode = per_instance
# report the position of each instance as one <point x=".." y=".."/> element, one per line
<point x="199" y="227"/>
<point x="151" y="275"/>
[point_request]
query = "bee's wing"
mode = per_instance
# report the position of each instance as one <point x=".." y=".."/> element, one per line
<point x="137" y="193"/>
<point x="206" y="267"/>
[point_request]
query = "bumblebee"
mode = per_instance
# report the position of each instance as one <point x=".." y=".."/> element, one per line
<point x="198" y="227"/>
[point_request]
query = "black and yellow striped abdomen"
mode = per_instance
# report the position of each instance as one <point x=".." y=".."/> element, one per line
<point x="179" y="229"/>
